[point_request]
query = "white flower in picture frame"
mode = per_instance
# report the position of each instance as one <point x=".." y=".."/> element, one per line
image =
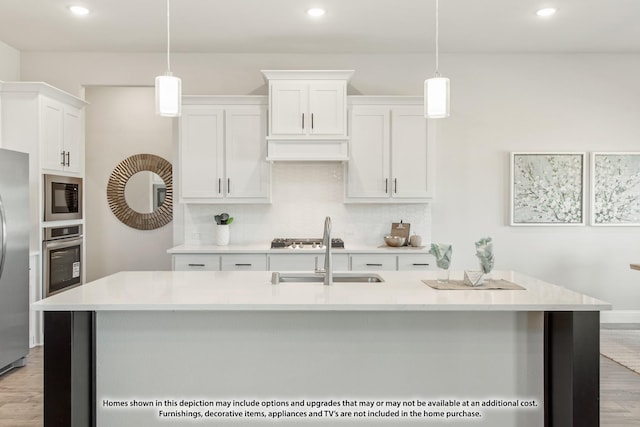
<point x="547" y="188"/>
<point x="615" y="189"/>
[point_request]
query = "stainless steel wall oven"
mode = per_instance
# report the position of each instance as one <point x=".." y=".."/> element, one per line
<point x="62" y="258"/>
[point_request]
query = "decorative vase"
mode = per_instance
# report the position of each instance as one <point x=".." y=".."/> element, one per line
<point x="474" y="278"/>
<point x="222" y="235"/>
<point x="443" y="275"/>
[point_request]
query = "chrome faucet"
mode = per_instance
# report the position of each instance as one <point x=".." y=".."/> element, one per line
<point x="328" y="264"/>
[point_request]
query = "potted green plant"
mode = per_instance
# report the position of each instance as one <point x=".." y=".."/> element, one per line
<point x="222" y="228"/>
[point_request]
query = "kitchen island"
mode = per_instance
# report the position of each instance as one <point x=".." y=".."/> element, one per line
<point x="175" y="348"/>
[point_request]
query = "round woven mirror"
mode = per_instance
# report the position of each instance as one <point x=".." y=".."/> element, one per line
<point x="159" y="192"/>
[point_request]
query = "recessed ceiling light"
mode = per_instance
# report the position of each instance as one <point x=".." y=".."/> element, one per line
<point x="79" y="10"/>
<point x="316" y="12"/>
<point x="547" y="11"/>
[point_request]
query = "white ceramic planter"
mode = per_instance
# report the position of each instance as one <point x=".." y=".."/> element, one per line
<point x="222" y="235"/>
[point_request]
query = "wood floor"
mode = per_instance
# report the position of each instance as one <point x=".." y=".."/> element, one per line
<point x="21" y="394"/>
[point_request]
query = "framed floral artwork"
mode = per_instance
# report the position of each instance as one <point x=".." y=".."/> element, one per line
<point x="615" y="189"/>
<point x="548" y="188"/>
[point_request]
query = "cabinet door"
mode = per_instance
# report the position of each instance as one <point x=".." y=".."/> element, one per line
<point x="415" y="262"/>
<point x="201" y="153"/>
<point x="327" y="108"/>
<point x="409" y="154"/>
<point x="73" y="139"/>
<point x="368" y="166"/>
<point x="306" y="262"/>
<point x="247" y="172"/>
<point x="196" y="262"/>
<point x="289" y="109"/>
<point x="239" y="262"/>
<point x="52" y="134"/>
<point x="373" y="262"/>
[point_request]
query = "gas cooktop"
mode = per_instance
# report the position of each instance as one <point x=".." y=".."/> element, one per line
<point x="303" y="243"/>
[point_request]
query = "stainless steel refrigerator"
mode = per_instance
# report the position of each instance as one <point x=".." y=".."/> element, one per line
<point x="14" y="259"/>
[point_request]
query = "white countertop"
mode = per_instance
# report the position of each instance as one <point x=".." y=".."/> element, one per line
<point x="253" y="291"/>
<point x="264" y="248"/>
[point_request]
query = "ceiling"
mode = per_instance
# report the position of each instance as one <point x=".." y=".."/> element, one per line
<point x="349" y="26"/>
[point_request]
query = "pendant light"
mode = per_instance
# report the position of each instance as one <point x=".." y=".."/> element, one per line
<point x="168" y="87"/>
<point x="436" y="89"/>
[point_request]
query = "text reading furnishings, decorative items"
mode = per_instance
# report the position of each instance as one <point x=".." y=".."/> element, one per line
<point x="118" y="182"/>
<point x="615" y="189"/>
<point x="547" y="188"/>
<point x="168" y="87"/>
<point x="436" y="89"/>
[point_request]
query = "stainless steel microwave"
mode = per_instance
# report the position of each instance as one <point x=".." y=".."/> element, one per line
<point x="62" y="198"/>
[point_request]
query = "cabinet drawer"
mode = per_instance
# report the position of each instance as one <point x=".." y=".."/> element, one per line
<point x="415" y="262"/>
<point x="253" y="262"/>
<point x="203" y="262"/>
<point x="367" y="262"/>
<point x="306" y="262"/>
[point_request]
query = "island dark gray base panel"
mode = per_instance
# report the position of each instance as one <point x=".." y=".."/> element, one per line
<point x="69" y="369"/>
<point x="572" y="368"/>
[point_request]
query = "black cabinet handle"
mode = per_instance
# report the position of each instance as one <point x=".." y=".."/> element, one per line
<point x="302" y="120"/>
<point x="386" y="186"/>
<point x="68" y="158"/>
<point x="195" y="265"/>
<point x="219" y="185"/>
<point x="420" y="264"/>
<point x="243" y="265"/>
<point x="228" y="185"/>
<point x="395" y="185"/>
<point x="311" y="120"/>
<point x="374" y="265"/>
<point x="62" y="154"/>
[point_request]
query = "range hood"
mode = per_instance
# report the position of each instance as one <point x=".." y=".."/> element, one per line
<point x="307" y="150"/>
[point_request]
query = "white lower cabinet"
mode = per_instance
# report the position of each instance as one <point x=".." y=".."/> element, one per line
<point x="306" y="262"/>
<point x="415" y="262"/>
<point x="368" y="262"/>
<point x="342" y="261"/>
<point x="195" y="262"/>
<point x="239" y="262"/>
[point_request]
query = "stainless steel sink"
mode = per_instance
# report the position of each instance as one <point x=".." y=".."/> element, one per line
<point x="277" y="277"/>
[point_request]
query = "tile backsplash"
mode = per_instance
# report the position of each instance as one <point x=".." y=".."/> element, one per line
<point x="303" y="194"/>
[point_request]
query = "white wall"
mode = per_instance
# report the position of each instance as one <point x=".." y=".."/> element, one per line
<point x="9" y="68"/>
<point x="500" y="103"/>
<point x="9" y="63"/>
<point x="121" y="122"/>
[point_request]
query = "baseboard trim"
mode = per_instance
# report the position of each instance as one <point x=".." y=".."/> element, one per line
<point x="620" y="316"/>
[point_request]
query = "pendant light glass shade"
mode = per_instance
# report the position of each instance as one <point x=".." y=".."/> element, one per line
<point x="168" y="95"/>
<point x="436" y="89"/>
<point x="436" y="98"/>
<point x="168" y="87"/>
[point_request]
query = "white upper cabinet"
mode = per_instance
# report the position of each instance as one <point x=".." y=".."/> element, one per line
<point x="391" y="159"/>
<point x="222" y="150"/>
<point x="307" y="114"/>
<point x="410" y="154"/>
<point x="201" y="152"/>
<point x="311" y="104"/>
<point x="368" y="170"/>
<point x="248" y="174"/>
<point x="62" y="136"/>
<point x="308" y="109"/>
<point x="46" y="122"/>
